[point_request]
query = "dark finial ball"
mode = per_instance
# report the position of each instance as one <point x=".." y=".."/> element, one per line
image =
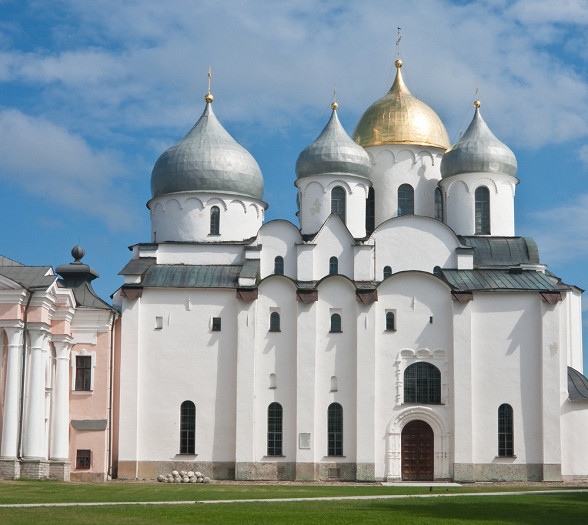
<point x="77" y="252"/>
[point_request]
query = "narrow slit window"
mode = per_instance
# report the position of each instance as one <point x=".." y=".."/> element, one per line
<point x="387" y="271"/>
<point x="215" y="220"/>
<point x="274" y="322"/>
<point x="390" y="322"/>
<point x="505" y="431"/>
<point x="274" y="429"/>
<point x="216" y="324"/>
<point x="279" y="265"/>
<point x="333" y="266"/>
<point x="335" y="429"/>
<point x="187" y="427"/>
<point x="482" y="197"/>
<point x="438" y="204"/>
<point x="338" y="202"/>
<point x="335" y="323"/>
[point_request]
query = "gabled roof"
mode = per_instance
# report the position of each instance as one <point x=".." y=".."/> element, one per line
<point x="577" y="385"/>
<point x="30" y="277"/>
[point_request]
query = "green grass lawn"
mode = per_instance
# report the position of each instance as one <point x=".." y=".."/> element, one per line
<point x="527" y="509"/>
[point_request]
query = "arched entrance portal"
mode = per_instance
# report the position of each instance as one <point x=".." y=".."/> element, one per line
<point x="418" y="456"/>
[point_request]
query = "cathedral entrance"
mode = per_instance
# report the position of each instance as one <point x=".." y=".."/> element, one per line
<point x="418" y="460"/>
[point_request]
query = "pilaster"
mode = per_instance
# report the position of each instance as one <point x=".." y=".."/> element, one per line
<point x="9" y="445"/>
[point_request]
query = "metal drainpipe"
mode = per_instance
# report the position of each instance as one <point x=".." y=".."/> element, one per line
<point x="109" y="473"/>
<point x="23" y="376"/>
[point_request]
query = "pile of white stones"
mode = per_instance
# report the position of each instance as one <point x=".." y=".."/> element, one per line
<point x="183" y="477"/>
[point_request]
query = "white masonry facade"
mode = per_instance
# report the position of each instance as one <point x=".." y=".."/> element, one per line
<point x="401" y="331"/>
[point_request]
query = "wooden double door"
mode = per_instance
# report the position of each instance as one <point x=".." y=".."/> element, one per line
<point x="418" y="454"/>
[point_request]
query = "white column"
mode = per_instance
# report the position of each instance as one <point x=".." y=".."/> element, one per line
<point x="60" y="414"/>
<point x="11" y="394"/>
<point x="35" y="418"/>
<point x="245" y="454"/>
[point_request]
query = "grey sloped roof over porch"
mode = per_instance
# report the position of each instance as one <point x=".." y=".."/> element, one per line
<point x="498" y="280"/>
<point x="577" y="385"/>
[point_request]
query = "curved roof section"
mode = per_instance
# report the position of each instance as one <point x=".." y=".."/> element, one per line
<point x="207" y="159"/>
<point x="577" y="385"/>
<point x="502" y="251"/>
<point x="333" y="152"/>
<point x="478" y="150"/>
<point x="400" y="118"/>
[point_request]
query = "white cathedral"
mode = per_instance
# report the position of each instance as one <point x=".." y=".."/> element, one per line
<point x="401" y="332"/>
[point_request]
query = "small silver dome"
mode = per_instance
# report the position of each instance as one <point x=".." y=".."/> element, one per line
<point x="333" y="152"/>
<point x="478" y="150"/>
<point x="207" y="159"/>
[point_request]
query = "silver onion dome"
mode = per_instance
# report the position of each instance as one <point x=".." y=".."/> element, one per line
<point x="207" y="159"/>
<point x="333" y="152"/>
<point x="478" y="150"/>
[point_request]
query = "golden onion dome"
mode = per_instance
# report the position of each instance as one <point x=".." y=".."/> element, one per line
<point x="400" y="118"/>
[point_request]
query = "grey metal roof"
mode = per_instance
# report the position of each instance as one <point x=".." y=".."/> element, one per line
<point x="138" y="266"/>
<point x="5" y="261"/>
<point x="497" y="280"/>
<point x="30" y="277"/>
<point x="333" y="152"/>
<point x="250" y="269"/>
<point x="207" y="159"/>
<point x="502" y="251"/>
<point x="577" y="385"/>
<point x="191" y="276"/>
<point x="478" y="150"/>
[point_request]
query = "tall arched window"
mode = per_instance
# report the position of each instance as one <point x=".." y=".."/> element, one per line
<point x="405" y="200"/>
<point x="438" y="204"/>
<point x="370" y="212"/>
<point x="274" y="429"/>
<point x="274" y="322"/>
<point x="333" y="266"/>
<point x="187" y="427"/>
<point x="338" y="202"/>
<point x="335" y="429"/>
<point x="215" y="220"/>
<point x="422" y="384"/>
<point x="390" y="322"/>
<point x="335" y="323"/>
<point x="387" y="271"/>
<point x="482" y="211"/>
<point x="505" y="431"/>
<point x="279" y="265"/>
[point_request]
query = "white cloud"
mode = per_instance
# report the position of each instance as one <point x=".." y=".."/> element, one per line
<point x="46" y="160"/>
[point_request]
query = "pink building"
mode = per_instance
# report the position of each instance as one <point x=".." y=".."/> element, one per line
<point x="56" y="347"/>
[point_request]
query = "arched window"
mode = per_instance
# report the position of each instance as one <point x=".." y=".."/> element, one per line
<point x="279" y="265"/>
<point x="273" y="381"/>
<point x="405" y="200"/>
<point x="505" y="431"/>
<point x="422" y="384"/>
<point x="335" y="323"/>
<point x="187" y="427"/>
<point x="274" y="429"/>
<point x="370" y="212"/>
<point x="333" y="266"/>
<point x="215" y="220"/>
<point x="387" y="271"/>
<point x="482" y="211"/>
<point x="438" y="204"/>
<point x="390" y="322"/>
<point x="338" y="202"/>
<point x="334" y="384"/>
<point x="335" y="429"/>
<point x="274" y="322"/>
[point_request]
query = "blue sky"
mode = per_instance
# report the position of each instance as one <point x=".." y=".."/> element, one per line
<point x="92" y="92"/>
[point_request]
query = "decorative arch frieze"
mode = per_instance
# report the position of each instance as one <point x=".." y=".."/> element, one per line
<point x="411" y="154"/>
<point x="215" y="200"/>
<point x="311" y="183"/>
<point x="170" y="201"/>
<point x="338" y="182"/>
<point x="256" y="209"/>
<point x="239" y="202"/>
<point x="197" y="202"/>
<point x="423" y="154"/>
<point x="382" y="154"/>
